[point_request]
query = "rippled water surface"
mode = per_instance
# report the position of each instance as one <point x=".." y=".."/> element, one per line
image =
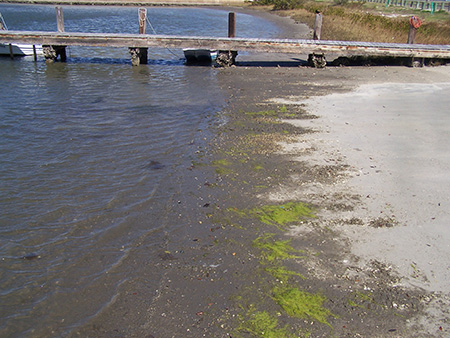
<point x="92" y="153"/>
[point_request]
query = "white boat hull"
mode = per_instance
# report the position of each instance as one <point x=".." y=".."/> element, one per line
<point x="19" y="49"/>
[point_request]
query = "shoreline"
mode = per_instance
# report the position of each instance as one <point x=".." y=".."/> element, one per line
<point x="275" y="147"/>
<point x="268" y="152"/>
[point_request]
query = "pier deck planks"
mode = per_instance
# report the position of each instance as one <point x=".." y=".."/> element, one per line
<point x="300" y="46"/>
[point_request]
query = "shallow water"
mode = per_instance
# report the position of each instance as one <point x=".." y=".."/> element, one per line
<point x="93" y="154"/>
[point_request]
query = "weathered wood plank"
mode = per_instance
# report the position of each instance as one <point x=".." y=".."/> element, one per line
<point x="300" y="46"/>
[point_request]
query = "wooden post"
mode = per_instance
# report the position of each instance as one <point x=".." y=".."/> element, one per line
<point x="34" y="53"/>
<point x="414" y="24"/>
<point x="411" y="35"/>
<point x="58" y="50"/>
<point x="226" y="58"/>
<point x="60" y="19"/>
<point x="317" y="60"/>
<point x="231" y="25"/>
<point x="142" y="20"/>
<point x="317" y="26"/>
<point x="11" y="53"/>
<point x="140" y="55"/>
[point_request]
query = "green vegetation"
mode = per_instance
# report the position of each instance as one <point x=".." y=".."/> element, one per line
<point x="302" y="304"/>
<point x="361" y="21"/>
<point x="282" y="274"/>
<point x="278" y="215"/>
<point x="262" y="324"/>
<point x="272" y="113"/>
<point x="272" y="250"/>
<point x="284" y="214"/>
<point x="222" y="166"/>
<point x="274" y="305"/>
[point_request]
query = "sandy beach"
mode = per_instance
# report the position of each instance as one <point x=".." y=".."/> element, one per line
<point x="381" y="135"/>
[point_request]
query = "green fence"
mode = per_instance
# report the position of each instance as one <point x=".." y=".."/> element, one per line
<point x="433" y="6"/>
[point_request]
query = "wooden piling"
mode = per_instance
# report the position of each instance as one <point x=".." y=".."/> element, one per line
<point x="11" y="53"/>
<point x="231" y="25"/>
<point x="34" y="53"/>
<point x="51" y="53"/>
<point x="317" y="60"/>
<point x="142" y="20"/>
<point x="414" y="24"/>
<point x="59" y="19"/>
<point x="317" y="26"/>
<point x="140" y="55"/>
<point x="226" y="58"/>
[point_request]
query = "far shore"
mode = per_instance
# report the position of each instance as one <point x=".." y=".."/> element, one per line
<point x="129" y="2"/>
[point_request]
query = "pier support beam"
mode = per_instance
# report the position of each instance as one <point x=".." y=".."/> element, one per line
<point x="317" y="60"/>
<point x="138" y="55"/>
<point x="51" y="53"/>
<point x="226" y="58"/>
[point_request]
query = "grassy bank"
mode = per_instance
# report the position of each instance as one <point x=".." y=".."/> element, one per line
<point x="359" y="21"/>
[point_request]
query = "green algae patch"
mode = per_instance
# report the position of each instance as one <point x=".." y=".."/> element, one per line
<point x="262" y="324"/>
<point x="281" y="215"/>
<point x="302" y="304"/>
<point x="272" y="113"/>
<point x="282" y="273"/>
<point x="278" y="215"/>
<point x="272" y="250"/>
<point x="222" y="166"/>
<point x="280" y="113"/>
<point x="222" y="162"/>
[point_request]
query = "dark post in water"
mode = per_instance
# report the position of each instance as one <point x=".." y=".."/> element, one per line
<point x="231" y="25"/>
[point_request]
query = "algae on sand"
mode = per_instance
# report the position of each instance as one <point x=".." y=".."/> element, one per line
<point x="262" y="324"/>
<point x="302" y="304"/>
<point x="273" y="250"/>
<point x="278" y="214"/>
<point x="281" y="215"/>
<point x="282" y="274"/>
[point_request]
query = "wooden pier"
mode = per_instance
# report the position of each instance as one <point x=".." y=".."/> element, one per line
<point x="300" y="46"/>
<point x="54" y="43"/>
